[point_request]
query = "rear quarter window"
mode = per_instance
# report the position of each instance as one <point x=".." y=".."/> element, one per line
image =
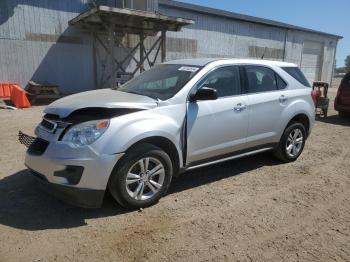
<point x="296" y="73"/>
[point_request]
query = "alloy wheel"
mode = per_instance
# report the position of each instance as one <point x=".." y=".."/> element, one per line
<point x="145" y="178"/>
<point x="294" y="143"/>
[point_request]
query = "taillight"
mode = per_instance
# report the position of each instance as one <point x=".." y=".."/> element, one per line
<point x="314" y="96"/>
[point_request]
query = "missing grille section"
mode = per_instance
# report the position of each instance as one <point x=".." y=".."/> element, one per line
<point x="35" y="145"/>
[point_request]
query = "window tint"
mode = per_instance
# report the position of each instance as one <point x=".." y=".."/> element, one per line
<point x="297" y="74"/>
<point x="226" y="81"/>
<point x="261" y="79"/>
<point x="160" y="82"/>
<point x="280" y="82"/>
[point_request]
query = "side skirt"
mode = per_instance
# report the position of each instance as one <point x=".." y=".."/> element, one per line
<point x="236" y="155"/>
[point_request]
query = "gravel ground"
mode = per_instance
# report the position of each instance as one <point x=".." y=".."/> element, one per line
<point x="253" y="209"/>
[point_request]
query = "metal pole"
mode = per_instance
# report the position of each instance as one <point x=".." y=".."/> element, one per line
<point x="163" y="36"/>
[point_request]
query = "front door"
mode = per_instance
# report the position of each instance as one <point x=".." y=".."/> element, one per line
<point x="217" y="127"/>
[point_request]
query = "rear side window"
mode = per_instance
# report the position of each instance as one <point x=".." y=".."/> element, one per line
<point x="296" y="73"/>
<point x="263" y="79"/>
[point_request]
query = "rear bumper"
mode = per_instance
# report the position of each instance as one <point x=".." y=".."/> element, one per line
<point x="341" y="108"/>
<point x="81" y="197"/>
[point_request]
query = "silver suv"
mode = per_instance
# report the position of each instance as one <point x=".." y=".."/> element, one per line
<point x="177" y="116"/>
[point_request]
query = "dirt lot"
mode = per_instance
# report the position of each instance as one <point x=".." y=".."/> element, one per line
<point x="253" y="209"/>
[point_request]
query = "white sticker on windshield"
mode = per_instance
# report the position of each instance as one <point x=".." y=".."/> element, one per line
<point x="189" y="69"/>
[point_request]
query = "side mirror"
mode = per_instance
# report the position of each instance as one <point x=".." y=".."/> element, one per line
<point x="204" y="93"/>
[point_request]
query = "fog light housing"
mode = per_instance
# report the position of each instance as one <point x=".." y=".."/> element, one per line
<point x="71" y="173"/>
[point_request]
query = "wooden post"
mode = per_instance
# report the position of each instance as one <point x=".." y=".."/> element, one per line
<point x="142" y="52"/>
<point x="94" y="60"/>
<point x="163" y="46"/>
<point x="111" y="53"/>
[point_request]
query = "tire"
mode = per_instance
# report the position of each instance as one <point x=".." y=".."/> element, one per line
<point x="343" y="114"/>
<point x="133" y="187"/>
<point x="282" y="151"/>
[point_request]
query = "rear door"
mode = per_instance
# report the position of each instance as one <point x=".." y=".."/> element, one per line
<point x="267" y="96"/>
<point x="217" y="127"/>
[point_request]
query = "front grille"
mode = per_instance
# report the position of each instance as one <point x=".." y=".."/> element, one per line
<point x="35" y="145"/>
<point x="50" y="126"/>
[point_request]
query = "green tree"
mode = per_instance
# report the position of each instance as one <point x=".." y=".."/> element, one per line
<point x="340" y="70"/>
<point x="347" y="63"/>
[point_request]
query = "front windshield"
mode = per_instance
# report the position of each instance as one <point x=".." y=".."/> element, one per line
<point x="161" y="82"/>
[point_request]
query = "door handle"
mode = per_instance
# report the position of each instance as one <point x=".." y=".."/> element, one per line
<point x="283" y="98"/>
<point x="239" y="107"/>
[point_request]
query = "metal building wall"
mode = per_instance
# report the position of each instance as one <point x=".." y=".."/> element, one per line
<point x="36" y="44"/>
<point x="215" y="36"/>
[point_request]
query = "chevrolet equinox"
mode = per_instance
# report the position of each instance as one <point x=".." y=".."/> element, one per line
<point x="177" y="116"/>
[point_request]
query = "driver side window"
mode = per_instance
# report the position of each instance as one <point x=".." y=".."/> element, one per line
<point x="225" y="80"/>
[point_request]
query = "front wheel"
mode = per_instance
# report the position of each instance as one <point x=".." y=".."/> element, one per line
<point x="142" y="177"/>
<point x="292" y="143"/>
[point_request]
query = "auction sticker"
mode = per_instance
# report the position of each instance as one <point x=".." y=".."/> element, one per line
<point x="189" y="69"/>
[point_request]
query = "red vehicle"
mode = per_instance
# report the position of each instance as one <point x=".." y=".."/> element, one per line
<point x="342" y="100"/>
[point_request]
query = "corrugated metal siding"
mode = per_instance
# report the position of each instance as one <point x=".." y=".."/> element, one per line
<point x="147" y="5"/>
<point x="220" y="37"/>
<point x="36" y="44"/>
<point x="216" y="36"/>
<point x="311" y="61"/>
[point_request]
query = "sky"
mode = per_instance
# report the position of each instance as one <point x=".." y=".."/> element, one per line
<point x="330" y="16"/>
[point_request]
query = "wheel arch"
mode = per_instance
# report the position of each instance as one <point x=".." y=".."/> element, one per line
<point x="163" y="143"/>
<point x="303" y="119"/>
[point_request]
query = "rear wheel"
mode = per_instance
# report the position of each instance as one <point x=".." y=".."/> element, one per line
<point x="343" y="114"/>
<point x="292" y="143"/>
<point x="142" y="177"/>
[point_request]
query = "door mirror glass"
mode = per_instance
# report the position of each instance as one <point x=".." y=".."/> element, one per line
<point x="204" y="93"/>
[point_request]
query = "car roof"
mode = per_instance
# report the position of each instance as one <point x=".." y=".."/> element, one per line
<point x="206" y="61"/>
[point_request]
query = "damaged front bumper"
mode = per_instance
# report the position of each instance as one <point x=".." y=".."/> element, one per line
<point x="75" y="175"/>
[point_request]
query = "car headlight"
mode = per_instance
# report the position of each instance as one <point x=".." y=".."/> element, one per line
<point x="86" y="133"/>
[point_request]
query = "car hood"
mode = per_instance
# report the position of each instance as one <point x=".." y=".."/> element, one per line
<point x="104" y="98"/>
